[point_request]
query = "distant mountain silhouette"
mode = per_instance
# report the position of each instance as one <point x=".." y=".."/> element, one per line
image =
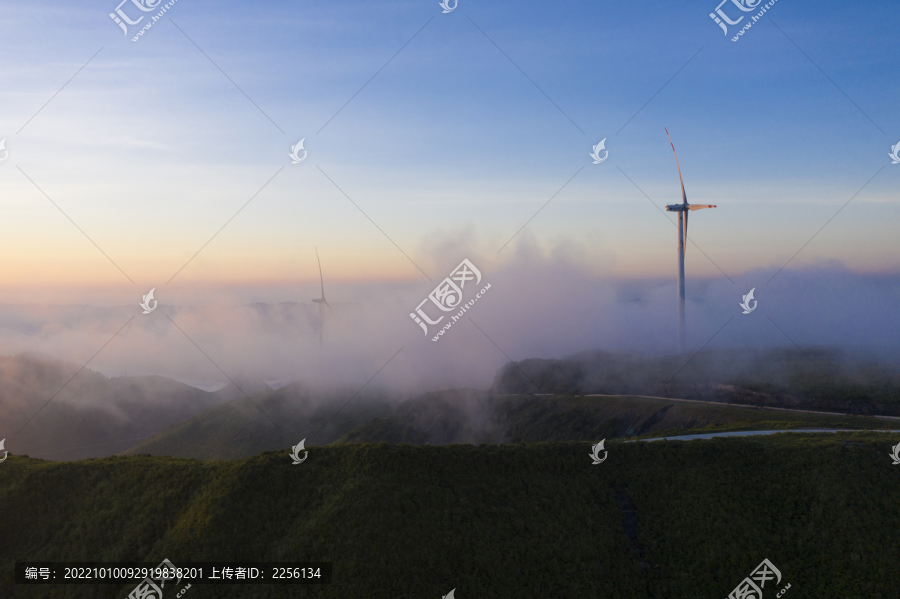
<point x="241" y="387"/>
<point x="93" y="415"/>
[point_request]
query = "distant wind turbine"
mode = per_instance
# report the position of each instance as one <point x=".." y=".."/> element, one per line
<point x="321" y="301"/>
<point x="682" y="209"/>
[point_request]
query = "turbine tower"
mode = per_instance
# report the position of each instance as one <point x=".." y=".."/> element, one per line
<point x="321" y="300"/>
<point x="682" y="209"/>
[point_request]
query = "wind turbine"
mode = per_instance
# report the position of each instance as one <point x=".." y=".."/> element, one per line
<point x="321" y="301"/>
<point x="682" y="209"/>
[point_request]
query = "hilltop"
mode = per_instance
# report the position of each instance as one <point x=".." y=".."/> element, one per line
<point x="825" y="379"/>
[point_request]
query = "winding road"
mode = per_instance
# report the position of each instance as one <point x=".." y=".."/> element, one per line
<point x="750" y="433"/>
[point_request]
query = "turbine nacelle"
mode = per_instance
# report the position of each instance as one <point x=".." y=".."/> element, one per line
<point x="691" y="207"/>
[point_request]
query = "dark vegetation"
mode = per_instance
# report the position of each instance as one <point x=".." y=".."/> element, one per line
<point x="670" y="519"/>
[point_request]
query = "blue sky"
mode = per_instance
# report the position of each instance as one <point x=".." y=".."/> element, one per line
<point x="150" y="149"/>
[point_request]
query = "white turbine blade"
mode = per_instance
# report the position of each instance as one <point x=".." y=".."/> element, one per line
<point x="683" y="195"/>
<point x="321" y="280"/>
<point x="700" y="206"/>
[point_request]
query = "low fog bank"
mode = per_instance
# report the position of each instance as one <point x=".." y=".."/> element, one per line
<point x="540" y="304"/>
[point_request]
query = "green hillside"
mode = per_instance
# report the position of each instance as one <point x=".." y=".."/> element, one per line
<point x="238" y="429"/>
<point x="245" y="426"/>
<point x="815" y="378"/>
<point x="473" y="417"/>
<point x="670" y="519"/>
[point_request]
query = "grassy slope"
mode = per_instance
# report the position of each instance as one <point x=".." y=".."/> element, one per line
<point x="240" y="429"/>
<point x="856" y="382"/>
<point x="583" y="418"/>
<point x="435" y="418"/>
<point x="508" y="521"/>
